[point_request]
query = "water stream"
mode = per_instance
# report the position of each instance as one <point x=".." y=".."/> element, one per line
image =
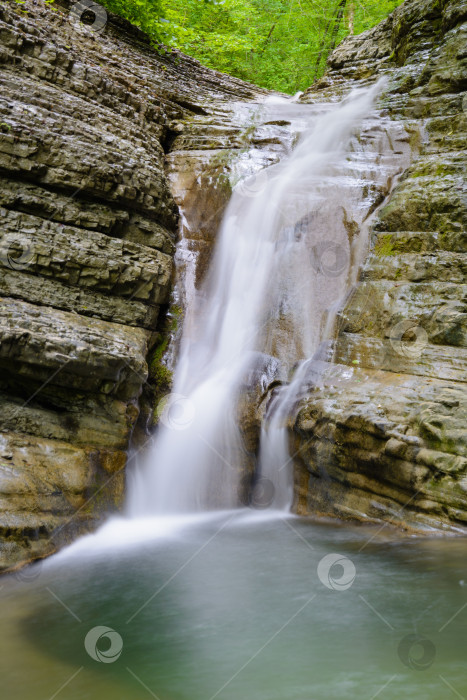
<point x="292" y="240"/>
<point x="174" y="603"/>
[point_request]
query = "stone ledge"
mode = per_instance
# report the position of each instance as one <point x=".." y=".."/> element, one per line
<point x="442" y="266"/>
<point x="381" y="445"/>
<point x="42" y="291"/>
<point x="89" y="260"/>
<point x="47" y="345"/>
<point x="440" y="362"/>
<point x="78" y="419"/>
<point x="69" y="209"/>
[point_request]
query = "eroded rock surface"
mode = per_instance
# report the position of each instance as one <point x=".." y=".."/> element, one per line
<point x="88" y="230"/>
<point x="384" y="440"/>
<point x="102" y="140"/>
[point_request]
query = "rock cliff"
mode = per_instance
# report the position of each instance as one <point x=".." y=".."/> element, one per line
<point x="104" y="139"/>
<point x="385" y="439"/>
<point x="87" y="114"/>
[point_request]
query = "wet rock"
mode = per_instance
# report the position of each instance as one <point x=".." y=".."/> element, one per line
<point x="397" y="452"/>
<point x="88" y="231"/>
<point x="103" y="139"/>
<point x="389" y="444"/>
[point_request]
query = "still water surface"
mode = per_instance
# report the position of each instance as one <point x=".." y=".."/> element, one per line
<point x="231" y="606"/>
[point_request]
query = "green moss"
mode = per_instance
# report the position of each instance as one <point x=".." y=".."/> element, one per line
<point x="415" y="139"/>
<point x="438" y="170"/>
<point x="156" y="368"/>
<point x="384" y="246"/>
<point x="158" y="372"/>
<point x="160" y="377"/>
<point x="401" y="244"/>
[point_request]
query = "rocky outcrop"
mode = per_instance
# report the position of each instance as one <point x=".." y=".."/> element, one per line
<point x="104" y="139"/>
<point x="86" y="255"/>
<point x="384" y="438"/>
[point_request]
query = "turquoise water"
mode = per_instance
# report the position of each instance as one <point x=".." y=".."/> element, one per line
<point x="231" y="606"/>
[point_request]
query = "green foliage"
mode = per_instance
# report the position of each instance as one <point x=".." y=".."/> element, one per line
<point x="145" y="14"/>
<point x="278" y="44"/>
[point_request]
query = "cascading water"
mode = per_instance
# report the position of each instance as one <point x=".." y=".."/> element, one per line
<point x="230" y="605"/>
<point x="288" y="250"/>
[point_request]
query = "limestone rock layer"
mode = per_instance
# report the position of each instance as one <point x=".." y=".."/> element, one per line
<point x="102" y="138"/>
<point x="87" y="238"/>
<point x="384" y="437"/>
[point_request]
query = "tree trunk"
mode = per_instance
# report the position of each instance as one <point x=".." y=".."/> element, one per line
<point x="351" y="18"/>
<point x="337" y="24"/>
<point x="323" y="44"/>
<point x="267" y="38"/>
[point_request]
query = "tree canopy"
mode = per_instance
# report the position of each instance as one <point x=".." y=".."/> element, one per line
<point x="278" y="44"/>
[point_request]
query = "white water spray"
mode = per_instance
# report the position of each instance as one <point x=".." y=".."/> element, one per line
<point x="288" y="249"/>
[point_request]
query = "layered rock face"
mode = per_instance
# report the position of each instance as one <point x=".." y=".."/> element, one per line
<point x="103" y="139"/>
<point x="86" y="256"/>
<point x="383" y="436"/>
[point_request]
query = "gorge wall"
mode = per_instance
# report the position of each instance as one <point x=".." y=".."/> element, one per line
<point x="86" y="256"/>
<point x="102" y="139"/>
<point x="385" y="439"/>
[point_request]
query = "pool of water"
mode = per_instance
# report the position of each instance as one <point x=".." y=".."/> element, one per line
<point x="238" y="606"/>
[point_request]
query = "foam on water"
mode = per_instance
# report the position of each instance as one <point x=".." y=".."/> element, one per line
<point x="129" y="534"/>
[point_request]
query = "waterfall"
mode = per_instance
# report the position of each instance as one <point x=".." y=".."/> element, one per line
<point x="287" y="252"/>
